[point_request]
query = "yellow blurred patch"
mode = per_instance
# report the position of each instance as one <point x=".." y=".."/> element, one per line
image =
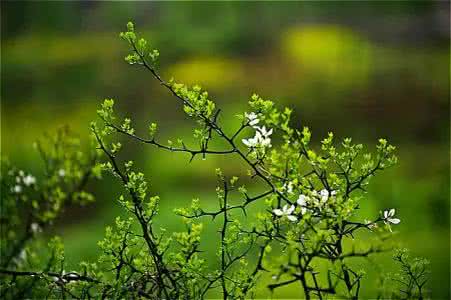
<point x="333" y="53"/>
<point x="209" y="72"/>
<point x="23" y="124"/>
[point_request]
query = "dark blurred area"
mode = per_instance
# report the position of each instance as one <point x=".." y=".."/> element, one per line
<point x="361" y="69"/>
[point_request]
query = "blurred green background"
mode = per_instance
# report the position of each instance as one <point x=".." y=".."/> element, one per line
<point x="365" y="70"/>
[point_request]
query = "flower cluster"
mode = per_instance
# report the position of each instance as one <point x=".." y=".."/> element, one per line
<point x="262" y="135"/>
<point x="23" y="180"/>
<point x="286" y="211"/>
<point x="306" y="203"/>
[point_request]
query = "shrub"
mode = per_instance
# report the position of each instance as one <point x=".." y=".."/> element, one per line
<point x="305" y="213"/>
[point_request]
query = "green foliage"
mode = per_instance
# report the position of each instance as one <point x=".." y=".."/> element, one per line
<point x="410" y="281"/>
<point x="31" y="203"/>
<point x="309" y="215"/>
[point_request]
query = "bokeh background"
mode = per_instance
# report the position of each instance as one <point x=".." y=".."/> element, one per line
<point x="363" y="69"/>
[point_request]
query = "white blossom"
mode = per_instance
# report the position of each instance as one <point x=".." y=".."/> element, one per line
<point x="252" y="118"/>
<point x="261" y="138"/>
<point x="286" y="211"/>
<point x="61" y="172"/>
<point x="389" y="217"/>
<point x="17" y="189"/>
<point x="251" y="142"/>
<point x="29" y="180"/>
<point x="288" y="187"/>
<point x="265" y="133"/>
<point x="35" y="228"/>
<point x="325" y="195"/>
<point x="302" y="202"/>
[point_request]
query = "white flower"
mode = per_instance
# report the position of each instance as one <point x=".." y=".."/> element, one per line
<point x="302" y="202"/>
<point x="286" y="211"/>
<point x="35" y="228"/>
<point x="61" y="172"/>
<point x="29" y="180"/>
<point x="388" y="217"/>
<point x="251" y="142"/>
<point x="324" y="195"/>
<point x="288" y="187"/>
<point x="261" y="138"/>
<point x="252" y="118"/>
<point x="263" y="131"/>
<point x="17" y="189"/>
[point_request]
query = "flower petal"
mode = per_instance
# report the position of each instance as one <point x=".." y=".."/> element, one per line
<point x="258" y="136"/>
<point x="394" y="221"/>
<point x="391" y="213"/>
<point x="269" y="132"/>
<point x="290" y="210"/>
<point x="324" y="193"/>
<point x="278" y="212"/>
<point x="254" y="122"/>
<point x="292" y="218"/>
<point x="301" y="200"/>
